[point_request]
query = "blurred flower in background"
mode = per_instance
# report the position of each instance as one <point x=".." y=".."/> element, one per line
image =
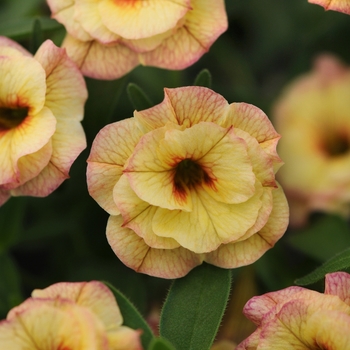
<point x="298" y="318"/>
<point x="81" y="315"/>
<point x="335" y="5"/>
<point x="313" y="118"/>
<point x="41" y="105"/>
<point x="107" y="39"/>
<point x="189" y="180"/>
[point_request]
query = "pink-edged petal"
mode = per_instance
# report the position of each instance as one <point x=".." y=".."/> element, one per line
<point x="6" y="42"/>
<point x="136" y="254"/>
<point x="29" y="137"/>
<point x="93" y="295"/>
<point x="335" y="5"/>
<point x="124" y="338"/>
<point x="45" y="326"/>
<point x="204" y="228"/>
<point x="246" y="252"/>
<point x="100" y="61"/>
<point x="64" y="12"/>
<point x="111" y="148"/>
<point x="138" y="19"/>
<point x="184" y="106"/>
<point x="88" y="15"/>
<point x="67" y="143"/>
<point x="138" y="215"/>
<point x="66" y="90"/>
<point x="255" y="122"/>
<point x="338" y="283"/>
<point x="202" y="26"/>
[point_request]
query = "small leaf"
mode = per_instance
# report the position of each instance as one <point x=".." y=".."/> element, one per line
<point x="203" y="79"/>
<point x="160" y="344"/>
<point x="338" y="262"/>
<point x="194" y="307"/>
<point x="132" y="318"/>
<point x="37" y="36"/>
<point x="138" y="97"/>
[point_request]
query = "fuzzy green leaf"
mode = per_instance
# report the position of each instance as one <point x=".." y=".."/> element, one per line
<point x="132" y="318"/>
<point x="338" y="262"/>
<point x="160" y="344"/>
<point x="138" y="97"/>
<point x="194" y="307"/>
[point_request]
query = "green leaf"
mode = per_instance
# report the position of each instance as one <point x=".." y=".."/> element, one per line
<point x="326" y="236"/>
<point x="132" y="318"/>
<point x="21" y="28"/>
<point x="138" y="97"/>
<point x="160" y="344"/>
<point x="203" y="79"/>
<point x="194" y="307"/>
<point x="37" y="36"/>
<point x="338" y="262"/>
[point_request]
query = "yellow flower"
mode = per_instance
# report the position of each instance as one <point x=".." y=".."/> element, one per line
<point x="75" y="316"/>
<point x="298" y="318"/>
<point x="109" y="38"/>
<point x="313" y="118"/>
<point x="41" y="106"/>
<point x="335" y="5"/>
<point x="189" y="180"/>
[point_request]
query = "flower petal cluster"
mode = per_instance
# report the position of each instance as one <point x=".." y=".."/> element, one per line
<point x="312" y="115"/>
<point x="191" y="179"/>
<point x="41" y="105"/>
<point x="81" y="315"/>
<point x="298" y="318"/>
<point x="109" y="38"/>
<point x="335" y="5"/>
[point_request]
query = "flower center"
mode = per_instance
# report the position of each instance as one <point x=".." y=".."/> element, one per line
<point x="12" y="117"/>
<point x="336" y="144"/>
<point x="189" y="173"/>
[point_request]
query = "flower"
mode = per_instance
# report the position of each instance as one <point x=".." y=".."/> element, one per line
<point x="335" y="5"/>
<point x="298" y="318"/>
<point x="312" y="116"/>
<point x="41" y="106"/>
<point x="189" y="180"/>
<point x="109" y="38"/>
<point x="81" y="315"/>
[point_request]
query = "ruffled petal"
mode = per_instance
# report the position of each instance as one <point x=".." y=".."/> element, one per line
<point x="335" y="5"/>
<point x="338" y="283"/>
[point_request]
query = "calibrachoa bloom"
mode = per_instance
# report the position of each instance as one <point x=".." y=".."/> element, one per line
<point x="63" y="316"/>
<point x="298" y="318"/>
<point x="335" y="5"/>
<point x="313" y="118"/>
<point x="189" y="180"/>
<point x="41" y="105"/>
<point x="108" y="38"/>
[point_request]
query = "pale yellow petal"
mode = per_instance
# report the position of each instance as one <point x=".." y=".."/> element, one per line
<point x="125" y="338"/>
<point x="338" y="283"/>
<point x="93" y="295"/>
<point x="100" y="61"/>
<point x="111" y="148"/>
<point x="29" y="137"/>
<point x="64" y="12"/>
<point x="88" y="15"/>
<point x="138" y="19"/>
<point x="246" y="252"/>
<point x="138" y="215"/>
<point x="209" y="224"/>
<point x="22" y="83"/>
<point x="8" y="43"/>
<point x="66" y="90"/>
<point x="136" y="254"/>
